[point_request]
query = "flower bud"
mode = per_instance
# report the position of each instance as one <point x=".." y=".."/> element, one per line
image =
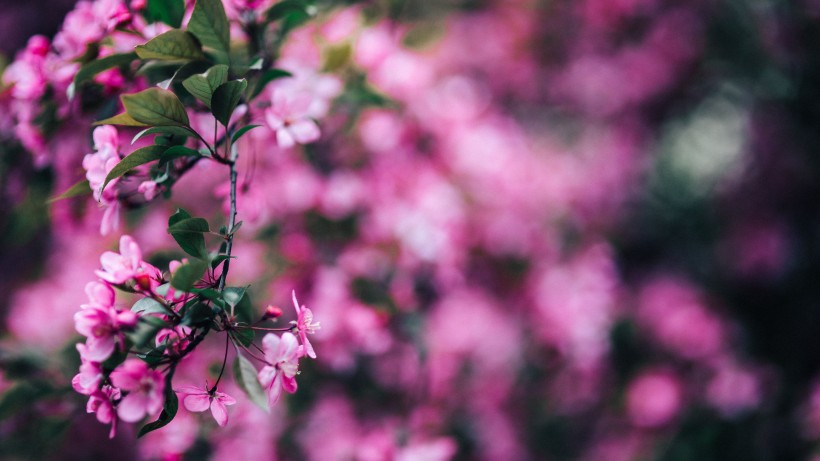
<point x="272" y="312"/>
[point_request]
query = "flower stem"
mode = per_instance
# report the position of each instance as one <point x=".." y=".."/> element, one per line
<point x="224" y="361"/>
<point x="231" y="219"/>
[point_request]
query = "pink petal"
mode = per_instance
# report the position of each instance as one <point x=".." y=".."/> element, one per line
<point x="305" y="131"/>
<point x="284" y="139"/>
<point x="275" y="390"/>
<point x="132" y="407"/>
<point x="295" y="303"/>
<point x="220" y="413"/>
<point x="197" y="402"/>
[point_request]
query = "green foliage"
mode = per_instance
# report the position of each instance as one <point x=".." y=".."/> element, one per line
<point x="80" y="188"/>
<point x="210" y="25"/>
<point x="245" y="375"/>
<point x="172" y="130"/>
<point x="267" y="77"/>
<point x="96" y="66"/>
<point x="241" y="132"/>
<point x="148" y="306"/>
<point x="202" y="86"/>
<point x="122" y="119"/>
<point x="138" y="157"/>
<point x="170" y="12"/>
<point x="174" y="45"/>
<point x="156" y="106"/>
<point x="146" y="330"/>
<point x="188" y="274"/>
<point x="226" y="98"/>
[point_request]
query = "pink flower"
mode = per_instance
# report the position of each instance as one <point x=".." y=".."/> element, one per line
<point x="101" y="402"/>
<point x="282" y="355"/>
<point x="101" y="323"/>
<point x="145" y="387"/>
<point x="288" y="117"/>
<point x="88" y="380"/>
<point x="148" y="189"/>
<point x="128" y="265"/>
<point x="304" y="325"/>
<point x="197" y="400"/>
<point x="654" y="398"/>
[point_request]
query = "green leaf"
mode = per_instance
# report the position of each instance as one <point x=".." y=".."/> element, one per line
<point x="146" y="330"/>
<point x="155" y="106"/>
<point x="239" y="301"/>
<point x="245" y="375"/>
<point x="174" y="45"/>
<point x="169" y="409"/>
<point x="122" y="119"/>
<point x="188" y="274"/>
<point x="172" y="130"/>
<point x="202" y="86"/>
<point x="285" y="8"/>
<point x="81" y="188"/>
<point x="178" y="216"/>
<point x="99" y="65"/>
<point x="226" y="98"/>
<point x="197" y="314"/>
<point x="267" y="77"/>
<point x="178" y="152"/>
<point x="192" y="243"/>
<point x="244" y="336"/>
<point x="210" y="25"/>
<point x="148" y="306"/>
<point x="138" y="157"/>
<point x="242" y="132"/>
<point x="170" y="12"/>
<point x="199" y="225"/>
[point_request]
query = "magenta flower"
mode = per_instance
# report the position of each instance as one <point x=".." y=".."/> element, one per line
<point x="288" y="116"/>
<point x="128" y="265"/>
<point x="101" y="323"/>
<point x="304" y="325"/>
<point x="282" y="355"/>
<point x="145" y="387"/>
<point x="101" y="403"/>
<point x="88" y="380"/>
<point x="197" y="400"/>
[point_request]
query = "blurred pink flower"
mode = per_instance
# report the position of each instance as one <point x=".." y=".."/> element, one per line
<point x="654" y="398"/>
<point x="288" y="117"/>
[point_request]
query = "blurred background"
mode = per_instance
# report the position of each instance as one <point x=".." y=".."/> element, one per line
<point x="532" y="230"/>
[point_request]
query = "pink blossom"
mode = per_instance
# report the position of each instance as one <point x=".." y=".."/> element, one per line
<point x="128" y="265"/>
<point x="282" y="355"/>
<point x="654" y="398"/>
<point x="145" y="388"/>
<point x="304" y="325"/>
<point x="288" y="117"/>
<point x="148" y="189"/>
<point x="197" y="400"/>
<point x="101" y="402"/>
<point x="88" y="380"/>
<point x="101" y="323"/>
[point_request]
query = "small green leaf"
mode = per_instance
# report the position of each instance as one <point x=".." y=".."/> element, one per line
<point x="81" y="188"/>
<point x="202" y="86"/>
<point x="210" y="25"/>
<point x="122" y="119"/>
<point x="170" y="12"/>
<point x="245" y="375"/>
<point x="197" y="314"/>
<point x="239" y="301"/>
<point x="178" y="216"/>
<point x="178" y="152"/>
<point x="188" y="274"/>
<point x="146" y="330"/>
<point x="267" y="77"/>
<point x="226" y="98"/>
<point x="243" y="336"/>
<point x="242" y="132"/>
<point x="99" y="65"/>
<point x="172" y="130"/>
<point x="155" y="106"/>
<point x="199" y="225"/>
<point x="169" y="409"/>
<point x="286" y="7"/>
<point x="174" y="45"/>
<point x="138" y="157"/>
<point x="148" y="306"/>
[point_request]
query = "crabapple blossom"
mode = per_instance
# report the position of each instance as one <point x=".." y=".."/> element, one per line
<point x="144" y="386"/>
<point x="127" y="265"/>
<point x="289" y="117"/>
<point x="197" y="400"/>
<point x="282" y="355"/>
<point x="304" y="325"/>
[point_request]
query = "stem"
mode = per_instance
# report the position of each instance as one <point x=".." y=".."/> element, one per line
<point x="224" y="361"/>
<point x="231" y="219"/>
